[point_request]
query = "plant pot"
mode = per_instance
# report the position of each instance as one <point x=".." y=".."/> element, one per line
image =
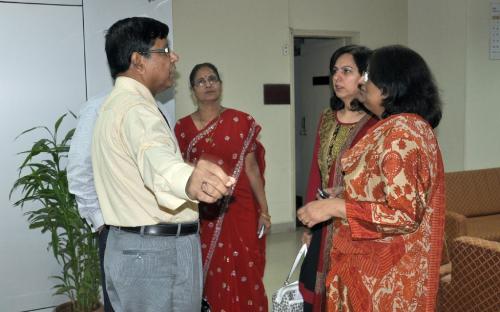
<point x="68" y="307"/>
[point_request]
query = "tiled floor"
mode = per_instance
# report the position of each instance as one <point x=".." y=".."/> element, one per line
<point x="281" y="250"/>
<point x="280" y="253"/>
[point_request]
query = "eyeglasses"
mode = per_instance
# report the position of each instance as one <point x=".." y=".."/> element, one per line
<point x="165" y="51"/>
<point x="346" y="70"/>
<point x="365" y="77"/>
<point x="212" y="79"/>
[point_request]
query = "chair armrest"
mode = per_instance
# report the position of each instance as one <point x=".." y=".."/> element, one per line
<point x="455" y="225"/>
<point x="475" y="276"/>
<point x="476" y="254"/>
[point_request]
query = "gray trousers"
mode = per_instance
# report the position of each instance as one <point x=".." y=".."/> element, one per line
<point x="153" y="273"/>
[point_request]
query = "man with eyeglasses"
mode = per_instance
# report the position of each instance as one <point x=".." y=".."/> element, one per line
<point x="147" y="193"/>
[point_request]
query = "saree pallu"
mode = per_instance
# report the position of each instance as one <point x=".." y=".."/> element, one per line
<point x="332" y="139"/>
<point x="233" y="277"/>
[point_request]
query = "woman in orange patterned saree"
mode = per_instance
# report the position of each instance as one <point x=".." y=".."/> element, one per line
<point x="389" y="227"/>
<point x="233" y="251"/>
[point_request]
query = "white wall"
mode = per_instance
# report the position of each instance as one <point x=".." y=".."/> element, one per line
<point x="452" y="35"/>
<point x="482" y="108"/>
<point x="379" y="22"/>
<point x="42" y="77"/>
<point x="436" y="29"/>
<point x="101" y="15"/>
<point x="45" y="74"/>
<point x="245" y="38"/>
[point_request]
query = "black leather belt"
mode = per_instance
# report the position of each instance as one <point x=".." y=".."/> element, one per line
<point x="163" y="229"/>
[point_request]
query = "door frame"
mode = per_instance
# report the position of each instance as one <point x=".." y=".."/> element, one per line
<point x="352" y="37"/>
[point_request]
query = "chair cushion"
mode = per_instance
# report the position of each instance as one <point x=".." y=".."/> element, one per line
<point x="473" y="192"/>
<point x="486" y="227"/>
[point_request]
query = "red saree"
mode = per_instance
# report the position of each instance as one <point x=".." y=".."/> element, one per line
<point x="386" y="255"/>
<point x="233" y="278"/>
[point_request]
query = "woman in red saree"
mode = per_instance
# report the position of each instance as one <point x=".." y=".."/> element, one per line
<point x="389" y="226"/>
<point x="233" y="251"/>
<point x="341" y="126"/>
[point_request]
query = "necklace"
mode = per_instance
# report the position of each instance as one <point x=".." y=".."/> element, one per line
<point x="203" y="122"/>
<point x="210" y="138"/>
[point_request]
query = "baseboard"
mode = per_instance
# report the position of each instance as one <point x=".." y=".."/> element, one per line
<point x="37" y="301"/>
<point x="283" y="227"/>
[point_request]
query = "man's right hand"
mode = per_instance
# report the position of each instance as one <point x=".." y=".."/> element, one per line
<point x="208" y="182"/>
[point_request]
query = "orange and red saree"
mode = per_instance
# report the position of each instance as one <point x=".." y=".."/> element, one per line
<point x="386" y="255"/>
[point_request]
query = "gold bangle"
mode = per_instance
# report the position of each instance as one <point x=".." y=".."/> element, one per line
<point x="265" y="215"/>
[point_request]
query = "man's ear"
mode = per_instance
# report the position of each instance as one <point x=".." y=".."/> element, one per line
<point x="137" y="62"/>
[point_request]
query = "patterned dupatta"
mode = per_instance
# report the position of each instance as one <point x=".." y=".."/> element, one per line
<point x="207" y="135"/>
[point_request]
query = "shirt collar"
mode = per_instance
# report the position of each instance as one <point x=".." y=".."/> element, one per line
<point x="135" y="86"/>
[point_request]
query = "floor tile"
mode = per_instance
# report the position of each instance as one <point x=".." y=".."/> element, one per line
<point x="281" y="250"/>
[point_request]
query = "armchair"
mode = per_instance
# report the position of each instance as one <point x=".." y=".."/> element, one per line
<point x="473" y="204"/>
<point x="474" y="281"/>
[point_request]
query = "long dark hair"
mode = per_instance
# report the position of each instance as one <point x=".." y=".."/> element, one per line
<point x="360" y="54"/>
<point x="406" y="82"/>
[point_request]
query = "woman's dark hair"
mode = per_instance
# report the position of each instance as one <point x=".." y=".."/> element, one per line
<point x="134" y="34"/>
<point x="197" y="67"/>
<point x="406" y="82"/>
<point x="360" y="55"/>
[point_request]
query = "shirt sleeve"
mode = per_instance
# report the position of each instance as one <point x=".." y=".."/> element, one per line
<point x="399" y="195"/>
<point x="79" y="169"/>
<point x="152" y="145"/>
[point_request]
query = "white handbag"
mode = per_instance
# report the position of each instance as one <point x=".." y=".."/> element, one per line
<point x="288" y="297"/>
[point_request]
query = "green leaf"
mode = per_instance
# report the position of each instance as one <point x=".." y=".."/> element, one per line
<point x="26" y="131"/>
<point x="42" y="183"/>
<point x="68" y="136"/>
<point x="58" y="122"/>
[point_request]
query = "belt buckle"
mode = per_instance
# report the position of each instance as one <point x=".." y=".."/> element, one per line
<point x="179" y="227"/>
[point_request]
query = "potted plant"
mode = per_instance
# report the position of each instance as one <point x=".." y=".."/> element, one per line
<point x="42" y="182"/>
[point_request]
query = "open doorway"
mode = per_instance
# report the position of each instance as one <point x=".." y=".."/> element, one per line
<point x="312" y="95"/>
